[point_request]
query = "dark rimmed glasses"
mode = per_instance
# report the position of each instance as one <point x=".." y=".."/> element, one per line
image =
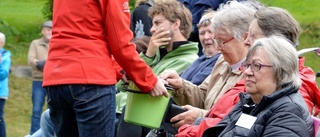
<point x="219" y="42"/>
<point x="254" y="66"/>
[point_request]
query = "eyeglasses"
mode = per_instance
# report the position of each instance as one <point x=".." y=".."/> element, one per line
<point x="222" y="42"/>
<point x="254" y="66"/>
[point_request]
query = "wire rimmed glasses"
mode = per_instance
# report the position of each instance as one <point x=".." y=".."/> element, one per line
<point x="255" y="66"/>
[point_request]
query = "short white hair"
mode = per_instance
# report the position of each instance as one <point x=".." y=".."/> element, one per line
<point x="2" y="37"/>
<point x="232" y="18"/>
<point x="283" y="56"/>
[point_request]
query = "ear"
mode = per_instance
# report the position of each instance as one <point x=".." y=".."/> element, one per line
<point x="245" y="35"/>
<point x="176" y="24"/>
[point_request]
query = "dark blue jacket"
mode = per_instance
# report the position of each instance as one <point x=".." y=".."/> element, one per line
<point x="140" y="22"/>
<point x="197" y="7"/>
<point x="282" y="113"/>
<point x="200" y="69"/>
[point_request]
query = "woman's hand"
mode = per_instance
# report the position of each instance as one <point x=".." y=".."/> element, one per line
<point x="187" y="117"/>
<point x="172" y="78"/>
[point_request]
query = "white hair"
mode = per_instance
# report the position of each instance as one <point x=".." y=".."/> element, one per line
<point x="233" y="18"/>
<point x="2" y="37"/>
<point x="283" y="56"/>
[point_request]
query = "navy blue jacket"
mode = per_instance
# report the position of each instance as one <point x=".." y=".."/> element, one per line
<point x="282" y="113"/>
<point x="200" y="69"/>
<point x="141" y="22"/>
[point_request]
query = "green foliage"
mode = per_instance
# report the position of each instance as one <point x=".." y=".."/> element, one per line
<point x="7" y="29"/>
<point x="47" y="9"/>
<point x="21" y="22"/>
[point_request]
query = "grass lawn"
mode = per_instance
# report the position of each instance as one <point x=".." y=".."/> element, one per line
<point x="24" y="19"/>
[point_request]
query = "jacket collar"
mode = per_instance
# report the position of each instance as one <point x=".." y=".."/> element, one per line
<point x="245" y="98"/>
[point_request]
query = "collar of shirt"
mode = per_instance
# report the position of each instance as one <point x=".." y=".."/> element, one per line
<point x="175" y="45"/>
<point x="237" y="66"/>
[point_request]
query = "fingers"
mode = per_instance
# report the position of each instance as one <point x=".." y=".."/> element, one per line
<point x="175" y="83"/>
<point x="187" y="107"/>
<point x="156" y="94"/>
<point x="125" y="79"/>
<point x="166" y="94"/>
<point x="163" y="81"/>
<point x="161" y="37"/>
<point x="168" y="74"/>
<point x="172" y="78"/>
<point x="159" y="89"/>
<point x="181" y="119"/>
<point x="177" y="117"/>
<point x="160" y="33"/>
<point x="179" y="124"/>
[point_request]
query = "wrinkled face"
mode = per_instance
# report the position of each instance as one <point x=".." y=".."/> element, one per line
<point x="255" y="32"/>
<point x="260" y="82"/>
<point x="232" y="50"/>
<point x="46" y="32"/>
<point x="206" y="38"/>
<point x="159" y="21"/>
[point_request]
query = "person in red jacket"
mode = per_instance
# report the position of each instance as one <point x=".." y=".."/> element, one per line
<point x="79" y="74"/>
<point x="268" y="21"/>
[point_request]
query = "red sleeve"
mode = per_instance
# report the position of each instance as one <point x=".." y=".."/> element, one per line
<point x="223" y="106"/>
<point x="117" y="17"/>
<point x="309" y="89"/>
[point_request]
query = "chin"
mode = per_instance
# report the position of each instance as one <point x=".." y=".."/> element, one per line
<point x="250" y="90"/>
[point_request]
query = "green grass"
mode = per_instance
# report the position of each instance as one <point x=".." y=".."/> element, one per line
<point x="24" y="18"/>
<point x="18" y="107"/>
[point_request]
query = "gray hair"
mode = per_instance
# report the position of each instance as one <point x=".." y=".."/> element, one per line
<point x="253" y="4"/>
<point x="2" y="37"/>
<point x="233" y="18"/>
<point x="206" y="18"/>
<point x="284" y="59"/>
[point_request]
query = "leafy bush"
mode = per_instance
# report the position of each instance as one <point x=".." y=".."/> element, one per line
<point x="47" y="9"/>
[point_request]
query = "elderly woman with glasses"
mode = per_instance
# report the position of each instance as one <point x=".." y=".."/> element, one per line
<point x="279" y="22"/>
<point x="225" y="74"/>
<point x="272" y="105"/>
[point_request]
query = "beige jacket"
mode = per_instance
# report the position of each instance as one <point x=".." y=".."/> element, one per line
<point x="211" y="89"/>
<point x="38" y="50"/>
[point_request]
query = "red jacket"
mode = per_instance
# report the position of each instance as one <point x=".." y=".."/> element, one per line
<point x="309" y="91"/>
<point x="85" y="36"/>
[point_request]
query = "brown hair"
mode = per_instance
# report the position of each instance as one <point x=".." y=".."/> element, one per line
<point x="273" y="20"/>
<point x="173" y="10"/>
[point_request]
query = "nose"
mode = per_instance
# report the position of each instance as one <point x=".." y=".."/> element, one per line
<point x="248" y="71"/>
<point x="153" y="29"/>
<point x="207" y="36"/>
